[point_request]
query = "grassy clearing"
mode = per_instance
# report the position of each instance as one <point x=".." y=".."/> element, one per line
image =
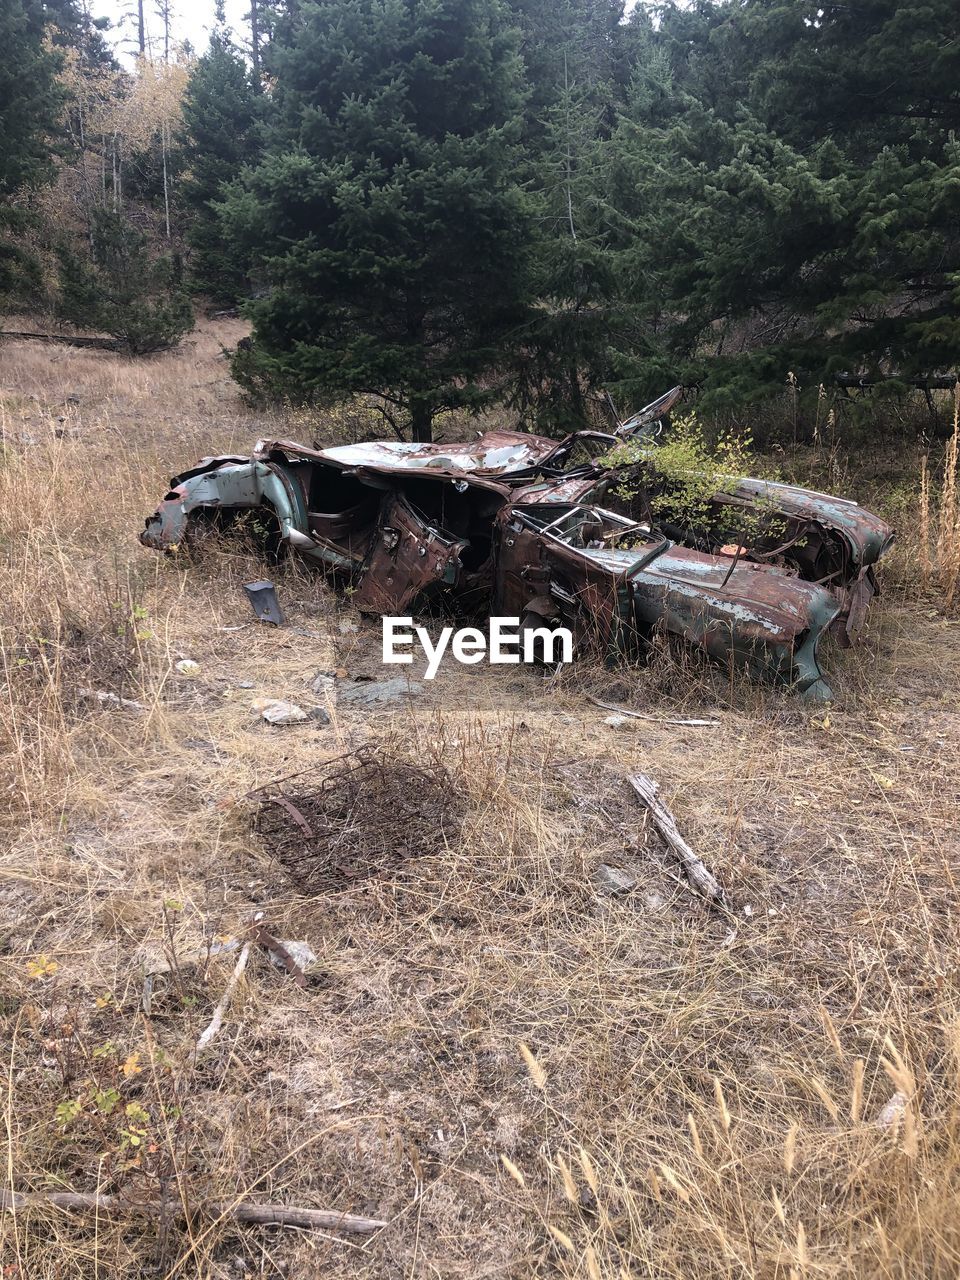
<point x="523" y="1076"/>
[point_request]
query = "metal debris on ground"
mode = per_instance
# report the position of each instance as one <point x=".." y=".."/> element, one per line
<point x="363" y="814"/>
<point x="286" y="953"/>
<point x="263" y="600"/>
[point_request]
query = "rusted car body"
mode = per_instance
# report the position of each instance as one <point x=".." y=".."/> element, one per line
<point x="522" y="526"/>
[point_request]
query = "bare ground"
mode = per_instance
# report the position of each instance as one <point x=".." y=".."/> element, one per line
<point x="700" y="1092"/>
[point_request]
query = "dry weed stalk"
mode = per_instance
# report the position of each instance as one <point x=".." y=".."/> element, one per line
<point x="942" y="528"/>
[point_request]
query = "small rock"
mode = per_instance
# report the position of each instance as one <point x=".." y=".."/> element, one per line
<point x="244" y="684"/>
<point x="318" y="715"/>
<point x="654" y="901"/>
<point x="277" y="711"/>
<point x="617" y="722"/>
<point x="892" y="1112"/>
<point x="187" y="667"/>
<point x="322" y="681"/>
<point x="613" y="880"/>
<point x="369" y="692"/>
<point x="300" y="952"/>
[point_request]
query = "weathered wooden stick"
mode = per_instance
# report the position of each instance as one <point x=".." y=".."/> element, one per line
<point x="265" y="1215"/>
<point x="640" y="715"/>
<point x="698" y="875"/>
<point x="217" y="1020"/>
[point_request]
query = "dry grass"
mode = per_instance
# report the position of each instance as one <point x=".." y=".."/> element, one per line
<point x="940" y="562"/>
<point x="524" y="1076"/>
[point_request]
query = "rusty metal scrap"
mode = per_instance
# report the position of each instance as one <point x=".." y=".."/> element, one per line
<point x="356" y="816"/>
<point x="520" y="525"/>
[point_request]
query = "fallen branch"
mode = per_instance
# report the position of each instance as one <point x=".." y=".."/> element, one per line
<point x="936" y="382"/>
<point x="216" y="1022"/>
<point x="111" y="699"/>
<point x="265" y="1215"/>
<point x="62" y="339"/>
<point x="639" y="715"/>
<point x="698" y="875"/>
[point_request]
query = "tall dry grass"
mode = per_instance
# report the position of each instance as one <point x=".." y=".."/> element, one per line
<point x="940" y="529"/>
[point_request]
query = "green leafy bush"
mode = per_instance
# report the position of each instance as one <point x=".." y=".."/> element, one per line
<point x="680" y="479"/>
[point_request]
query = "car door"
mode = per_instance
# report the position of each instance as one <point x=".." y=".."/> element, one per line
<point x="409" y="557"/>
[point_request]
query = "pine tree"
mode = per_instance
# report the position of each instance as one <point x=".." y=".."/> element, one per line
<point x="573" y="52"/>
<point x="387" y="213"/>
<point x="30" y="105"/>
<point x="875" y="86"/>
<point x="786" y="185"/>
<point x="124" y="289"/>
<point x="219" y="138"/>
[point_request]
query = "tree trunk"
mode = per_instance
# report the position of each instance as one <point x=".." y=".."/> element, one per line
<point x="141" y="29"/>
<point x="166" y="184"/>
<point x="255" y="43"/>
<point x="421" y="421"/>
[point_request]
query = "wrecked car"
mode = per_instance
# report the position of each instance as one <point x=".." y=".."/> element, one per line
<point x="554" y="532"/>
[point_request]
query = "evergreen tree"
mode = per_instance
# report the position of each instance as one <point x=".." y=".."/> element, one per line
<point x="387" y="213"/>
<point x="30" y="104"/>
<point x="572" y="54"/>
<point x="123" y="289"/>
<point x="262" y="18"/>
<point x="568" y="43"/>
<point x="778" y="209"/>
<point x="218" y="139"/>
<point x="875" y="86"/>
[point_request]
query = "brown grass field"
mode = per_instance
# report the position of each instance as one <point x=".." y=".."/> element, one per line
<point x="523" y="1076"/>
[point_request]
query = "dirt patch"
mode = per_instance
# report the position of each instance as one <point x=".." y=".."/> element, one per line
<point x="363" y="814"/>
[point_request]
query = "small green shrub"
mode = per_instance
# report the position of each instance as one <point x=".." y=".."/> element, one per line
<point x="679" y="480"/>
<point x="123" y="291"/>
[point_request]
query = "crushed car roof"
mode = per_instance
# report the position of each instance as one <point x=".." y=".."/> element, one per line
<point x="493" y="453"/>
